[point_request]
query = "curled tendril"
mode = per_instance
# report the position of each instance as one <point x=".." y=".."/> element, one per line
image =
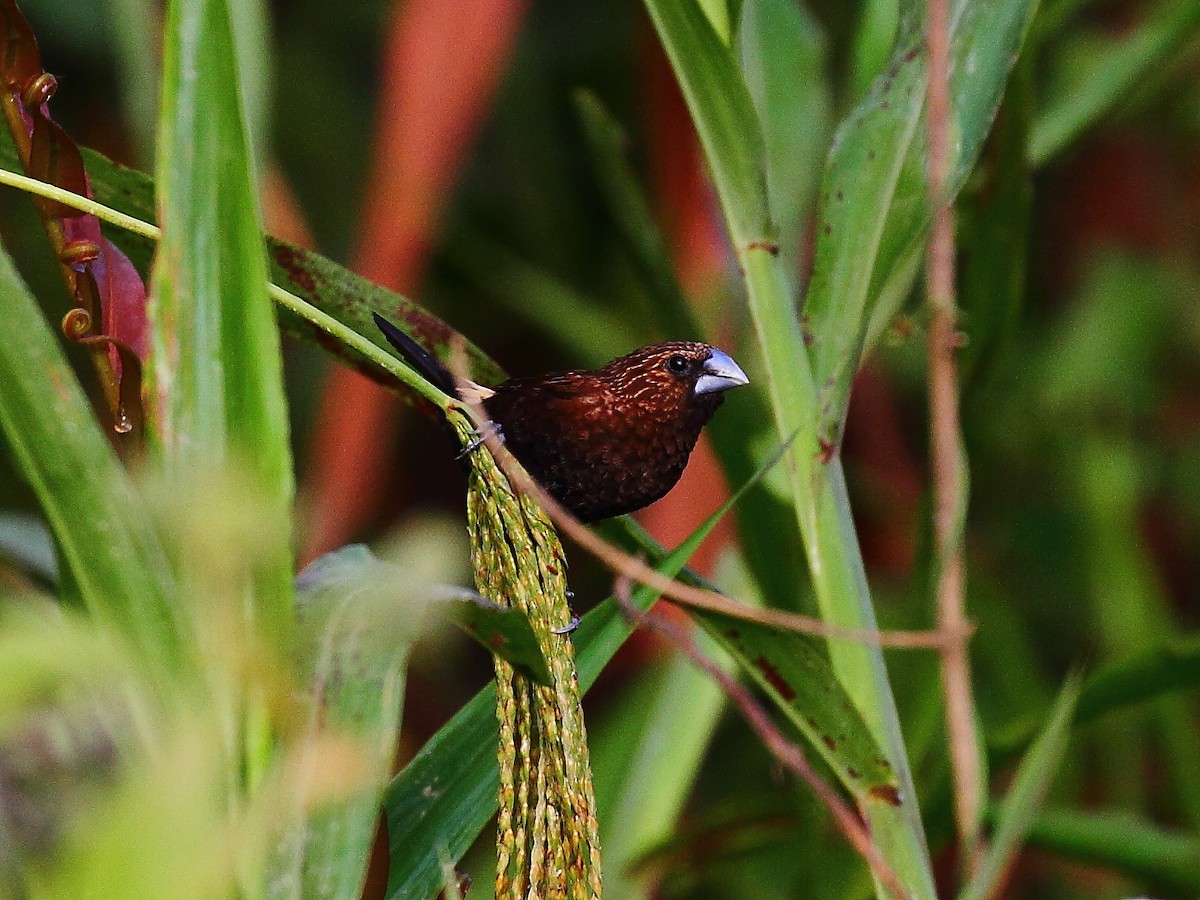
<point x="77" y="254"/>
<point x="118" y="367"/>
<point x="38" y="90"/>
<point x="77" y="324"/>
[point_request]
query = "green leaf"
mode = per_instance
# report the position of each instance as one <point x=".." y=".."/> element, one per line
<point x="591" y="332"/>
<point x="795" y="673"/>
<point x="357" y="620"/>
<point x="719" y="18"/>
<point x="728" y="128"/>
<point x="994" y="234"/>
<point x="350" y="300"/>
<point x="635" y="222"/>
<point x="440" y="802"/>
<point x="1173" y="666"/>
<point x="1128" y="304"/>
<point x="1131" y="611"/>
<point x="1098" y="77"/>
<point x="1027" y="794"/>
<point x="874" y="212"/>
<point x="215" y="365"/>
<point x="106" y="543"/>
<point x="501" y="630"/>
<point x="873" y="42"/>
<point x="1170" y="860"/>
<point x="137" y="62"/>
<point x="658" y="746"/>
<point x="784" y="60"/>
<point x="49" y="652"/>
<point x="742" y="435"/>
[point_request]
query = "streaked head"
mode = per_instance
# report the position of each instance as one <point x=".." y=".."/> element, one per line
<point x="696" y="368"/>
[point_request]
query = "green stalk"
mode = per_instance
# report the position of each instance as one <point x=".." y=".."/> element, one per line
<point x="835" y="561"/>
<point x="729" y="132"/>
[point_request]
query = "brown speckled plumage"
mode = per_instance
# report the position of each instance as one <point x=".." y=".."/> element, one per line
<point x="612" y="440"/>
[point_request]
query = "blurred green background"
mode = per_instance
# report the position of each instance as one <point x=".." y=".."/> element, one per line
<point x="1079" y="253"/>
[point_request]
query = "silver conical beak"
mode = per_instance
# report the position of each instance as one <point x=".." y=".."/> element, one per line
<point x="720" y="374"/>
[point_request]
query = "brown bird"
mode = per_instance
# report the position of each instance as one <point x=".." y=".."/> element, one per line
<point x="604" y="442"/>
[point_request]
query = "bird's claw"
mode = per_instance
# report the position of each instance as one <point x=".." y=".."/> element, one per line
<point x="569" y="627"/>
<point x="491" y="429"/>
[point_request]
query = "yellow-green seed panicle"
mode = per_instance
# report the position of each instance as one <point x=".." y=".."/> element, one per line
<point x="547" y="835"/>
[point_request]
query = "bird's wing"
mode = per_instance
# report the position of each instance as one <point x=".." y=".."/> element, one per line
<point x="560" y="386"/>
<point x="540" y="404"/>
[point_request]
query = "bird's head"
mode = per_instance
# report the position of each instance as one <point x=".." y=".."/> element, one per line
<point x="674" y="373"/>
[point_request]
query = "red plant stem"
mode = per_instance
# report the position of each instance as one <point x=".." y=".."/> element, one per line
<point x="946" y="453"/>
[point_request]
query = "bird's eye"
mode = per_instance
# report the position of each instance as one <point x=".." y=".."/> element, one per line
<point x="677" y="364"/>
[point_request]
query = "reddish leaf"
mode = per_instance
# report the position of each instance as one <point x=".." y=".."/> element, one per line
<point x="122" y="294"/>
<point x="20" y="60"/>
<point x="110" y="318"/>
<point x="54" y="159"/>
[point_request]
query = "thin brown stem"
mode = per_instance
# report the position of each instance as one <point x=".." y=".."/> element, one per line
<point x="788" y="754"/>
<point x="947" y="463"/>
<point x="622" y="563"/>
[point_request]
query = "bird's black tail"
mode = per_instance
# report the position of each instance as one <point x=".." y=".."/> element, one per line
<point x="417" y="356"/>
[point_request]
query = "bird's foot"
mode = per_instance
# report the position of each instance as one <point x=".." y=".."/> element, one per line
<point x="569" y="627"/>
<point x="491" y="429"/>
